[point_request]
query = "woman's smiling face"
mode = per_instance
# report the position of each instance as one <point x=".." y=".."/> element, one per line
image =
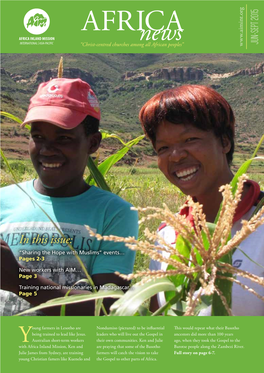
<point x="59" y="156"/>
<point x="192" y="159"/>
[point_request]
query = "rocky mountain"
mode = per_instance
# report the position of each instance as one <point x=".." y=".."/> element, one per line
<point x="186" y="74"/>
<point x="123" y="83"/>
<point x="176" y="74"/>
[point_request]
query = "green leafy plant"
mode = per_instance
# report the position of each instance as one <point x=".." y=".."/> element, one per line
<point x="199" y="272"/>
<point x="97" y="174"/>
<point x="199" y="266"/>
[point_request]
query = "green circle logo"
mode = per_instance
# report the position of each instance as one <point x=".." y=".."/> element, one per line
<point x="36" y="21"/>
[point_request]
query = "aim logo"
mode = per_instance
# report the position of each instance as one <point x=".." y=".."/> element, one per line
<point x="36" y="21"/>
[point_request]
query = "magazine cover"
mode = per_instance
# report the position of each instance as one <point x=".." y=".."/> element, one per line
<point x="131" y="185"/>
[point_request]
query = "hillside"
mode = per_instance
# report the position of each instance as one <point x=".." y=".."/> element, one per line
<point x="124" y="82"/>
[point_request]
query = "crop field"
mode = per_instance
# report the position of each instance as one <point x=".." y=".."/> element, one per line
<point x="139" y="185"/>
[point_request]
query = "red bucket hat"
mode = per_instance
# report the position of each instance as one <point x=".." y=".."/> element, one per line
<point x="63" y="102"/>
